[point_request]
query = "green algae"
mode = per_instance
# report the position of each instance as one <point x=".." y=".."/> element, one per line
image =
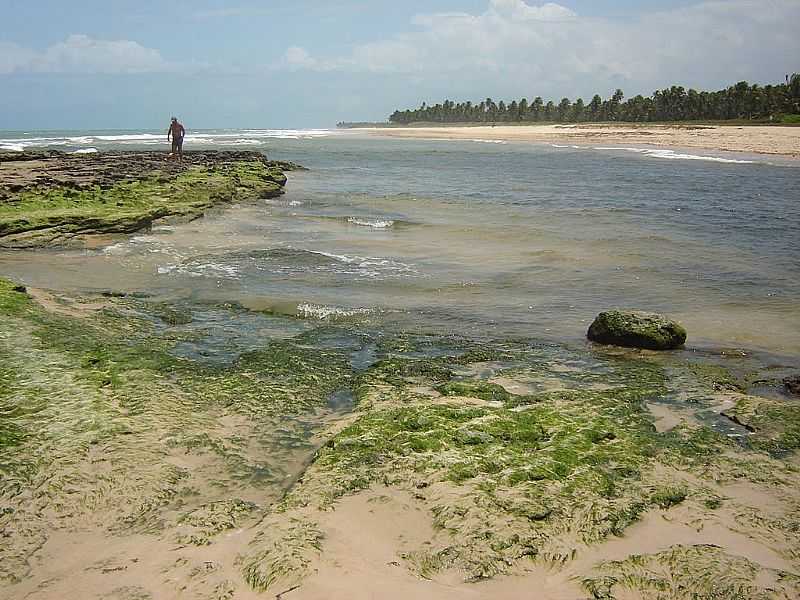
<point x="775" y="425"/>
<point x="667" y="497"/>
<point x="209" y="520"/>
<point x="700" y="572"/>
<point x="527" y="477"/>
<point x="45" y="215"/>
<point x="716" y="377"/>
<point x="288" y="549"/>
<point x="534" y="465"/>
<point x="94" y="410"/>
<point x="485" y="391"/>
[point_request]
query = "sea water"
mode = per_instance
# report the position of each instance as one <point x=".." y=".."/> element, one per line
<point x="465" y="237"/>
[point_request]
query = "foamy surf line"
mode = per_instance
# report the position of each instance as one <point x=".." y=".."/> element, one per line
<point x="673" y="155"/>
<point x="325" y="312"/>
<point x="243" y="137"/>
<point x="373" y="223"/>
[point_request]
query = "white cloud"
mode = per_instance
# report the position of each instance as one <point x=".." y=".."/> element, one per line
<point x="549" y="49"/>
<point x="82" y="54"/>
<point x="518" y="10"/>
<point x="299" y="58"/>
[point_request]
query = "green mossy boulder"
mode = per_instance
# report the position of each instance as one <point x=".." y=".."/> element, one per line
<point x="636" y="330"/>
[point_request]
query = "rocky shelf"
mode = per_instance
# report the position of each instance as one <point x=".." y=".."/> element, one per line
<point x="52" y="198"/>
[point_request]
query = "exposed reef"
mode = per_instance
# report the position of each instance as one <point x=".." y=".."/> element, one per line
<point x="52" y="198"/>
<point x="184" y="475"/>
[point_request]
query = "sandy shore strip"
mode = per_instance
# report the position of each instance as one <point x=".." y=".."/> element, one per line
<point x="776" y="140"/>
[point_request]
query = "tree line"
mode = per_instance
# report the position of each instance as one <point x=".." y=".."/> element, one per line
<point x="740" y="101"/>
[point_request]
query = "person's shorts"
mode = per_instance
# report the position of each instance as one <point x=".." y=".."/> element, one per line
<point x="177" y="144"/>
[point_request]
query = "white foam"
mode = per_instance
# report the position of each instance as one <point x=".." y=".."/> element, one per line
<point x="673" y="155"/>
<point x="560" y="146"/>
<point x="489" y="141"/>
<point x="128" y="137"/>
<point x="120" y="248"/>
<point x="243" y="137"/>
<point x="210" y="269"/>
<point x="374" y="223"/>
<point x="319" y="311"/>
<point x="370" y="266"/>
<point x="85" y="151"/>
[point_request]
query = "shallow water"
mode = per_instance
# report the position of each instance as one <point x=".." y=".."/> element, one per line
<point x="499" y="240"/>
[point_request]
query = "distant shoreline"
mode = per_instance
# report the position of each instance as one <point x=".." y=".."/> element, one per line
<point x="778" y="140"/>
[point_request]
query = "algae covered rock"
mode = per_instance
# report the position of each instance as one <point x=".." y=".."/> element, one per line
<point x="792" y="384"/>
<point x="635" y="329"/>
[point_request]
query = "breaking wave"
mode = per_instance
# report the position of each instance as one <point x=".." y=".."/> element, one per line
<point x="325" y="312"/>
<point x="280" y="261"/>
<point x="673" y="155"/>
<point x="240" y="137"/>
<point x="374" y="223"/>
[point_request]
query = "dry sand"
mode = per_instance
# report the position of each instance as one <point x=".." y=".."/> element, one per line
<point x="777" y="140"/>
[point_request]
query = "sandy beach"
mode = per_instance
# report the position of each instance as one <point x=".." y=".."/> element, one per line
<point x="777" y="140"/>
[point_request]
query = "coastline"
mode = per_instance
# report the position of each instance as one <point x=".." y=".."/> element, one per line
<point x="770" y="140"/>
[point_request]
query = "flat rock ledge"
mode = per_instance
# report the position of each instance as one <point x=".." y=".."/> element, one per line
<point x="636" y="329"/>
<point x="50" y="198"/>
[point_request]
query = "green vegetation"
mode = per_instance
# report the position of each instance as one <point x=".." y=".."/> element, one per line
<point x="742" y="101"/>
<point x="668" y="497"/>
<point x="95" y="412"/>
<point x="479" y="389"/>
<point x="49" y="214"/>
<point x="701" y="572"/>
<point x="104" y="428"/>
<point x="775" y="424"/>
<point x="289" y="547"/>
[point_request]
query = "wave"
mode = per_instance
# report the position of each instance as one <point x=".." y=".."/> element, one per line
<point x="278" y="261"/>
<point x="240" y="137"/>
<point x="325" y="312"/>
<point x="85" y="151"/>
<point x="214" y="270"/>
<point x="673" y="155"/>
<point x="373" y="223"/>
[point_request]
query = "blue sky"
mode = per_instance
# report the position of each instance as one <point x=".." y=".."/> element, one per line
<point x="311" y="63"/>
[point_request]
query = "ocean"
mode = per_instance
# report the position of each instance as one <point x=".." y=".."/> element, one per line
<point x="472" y="238"/>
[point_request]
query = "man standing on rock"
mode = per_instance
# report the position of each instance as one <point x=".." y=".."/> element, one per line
<point x="176" y="131"/>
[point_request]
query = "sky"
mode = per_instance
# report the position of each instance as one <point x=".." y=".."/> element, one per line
<point x="119" y="64"/>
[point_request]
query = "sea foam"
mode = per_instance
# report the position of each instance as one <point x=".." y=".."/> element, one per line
<point x="373" y="223"/>
<point x="673" y="155"/>
<point x="324" y="312"/>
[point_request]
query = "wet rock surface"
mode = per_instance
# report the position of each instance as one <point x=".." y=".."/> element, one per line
<point x="52" y="198"/>
<point x="23" y="170"/>
<point x="635" y="329"/>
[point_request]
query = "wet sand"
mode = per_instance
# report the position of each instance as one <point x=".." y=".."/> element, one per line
<point x="777" y="140"/>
